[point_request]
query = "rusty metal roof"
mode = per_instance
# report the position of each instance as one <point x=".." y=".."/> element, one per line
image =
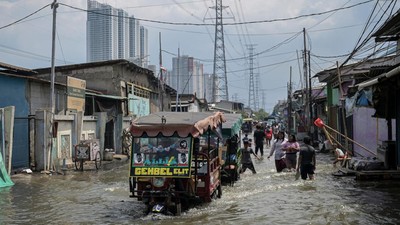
<point x="14" y="68"/>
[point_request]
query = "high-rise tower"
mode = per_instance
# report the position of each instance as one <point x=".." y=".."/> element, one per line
<point x="123" y="34"/>
<point x="113" y="34"/>
<point x="101" y="32"/>
<point x="144" y="51"/>
<point x="134" y="38"/>
<point x="191" y="77"/>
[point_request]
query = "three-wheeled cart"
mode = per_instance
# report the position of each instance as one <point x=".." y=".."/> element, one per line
<point x="231" y="155"/>
<point x="87" y="150"/>
<point x="175" y="160"/>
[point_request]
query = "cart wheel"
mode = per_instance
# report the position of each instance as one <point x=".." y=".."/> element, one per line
<point x="98" y="160"/>
<point x="79" y="164"/>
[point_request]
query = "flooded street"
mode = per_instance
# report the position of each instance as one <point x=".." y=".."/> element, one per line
<point x="102" y="197"/>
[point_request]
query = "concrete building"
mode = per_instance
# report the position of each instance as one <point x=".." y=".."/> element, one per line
<point x="116" y="92"/>
<point x="188" y="103"/>
<point x="227" y="106"/>
<point x="14" y="86"/>
<point x="118" y="78"/>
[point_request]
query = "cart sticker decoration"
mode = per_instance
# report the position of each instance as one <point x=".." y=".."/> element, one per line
<point x="83" y="151"/>
<point x="161" y="156"/>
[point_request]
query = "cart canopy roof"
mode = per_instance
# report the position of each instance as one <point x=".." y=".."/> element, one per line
<point x="233" y="123"/>
<point x="184" y="124"/>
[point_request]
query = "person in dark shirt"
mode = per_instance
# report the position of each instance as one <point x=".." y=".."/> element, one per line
<point x="306" y="162"/>
<point x="247" y="163"/>
<point x="259" y="140"/>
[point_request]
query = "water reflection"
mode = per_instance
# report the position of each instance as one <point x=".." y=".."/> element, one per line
<point x="101" y="197"/>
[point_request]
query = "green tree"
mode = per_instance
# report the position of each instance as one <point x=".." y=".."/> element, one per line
<point x="260" y="115"/>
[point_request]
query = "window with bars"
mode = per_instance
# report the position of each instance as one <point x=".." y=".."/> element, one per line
<point x="137" y="91"/>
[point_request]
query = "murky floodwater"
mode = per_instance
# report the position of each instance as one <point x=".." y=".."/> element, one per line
<point x="92" y="197"/>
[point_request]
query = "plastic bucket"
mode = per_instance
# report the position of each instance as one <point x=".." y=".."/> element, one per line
<point x="319" y="123"/>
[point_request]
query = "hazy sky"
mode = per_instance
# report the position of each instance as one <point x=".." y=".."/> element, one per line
<point x="277" y="40"/>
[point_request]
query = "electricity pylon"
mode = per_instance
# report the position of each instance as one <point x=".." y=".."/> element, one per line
<point x="220" y="82"/>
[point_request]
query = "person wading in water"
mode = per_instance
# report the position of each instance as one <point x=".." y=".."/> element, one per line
<point x="259" y="140"/>
<point x="291" y="147"/>
<point x="247" y="163"/>
<point x="277" y="146"/>
<point x="306" y="160"/>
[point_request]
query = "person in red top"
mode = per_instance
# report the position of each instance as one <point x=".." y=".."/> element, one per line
<point x="268" y="136"/>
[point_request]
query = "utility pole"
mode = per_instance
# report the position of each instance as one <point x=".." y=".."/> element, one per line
<point x="310" y="100"/>
<point x="161" y="81"/>
<point x="47" y="163"/>
<point x="305" y="91"/>
<point x="342" y="101"/>
<point x="220" y="82"/>
<point x="290" y="124"/>
<point x="177" y="83"/>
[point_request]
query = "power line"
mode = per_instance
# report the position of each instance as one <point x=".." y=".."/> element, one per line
<point x="26" y="54"/>
<point x="23" y="18"/>
<point x="256" y="34"/>
<point x="226" y="24"/>
<point x="326" y="17"/>
<point x="360" y="45"/>
<point x="330" y="57"/>
<point x="273" y="64"/>
<point x="243" y="33"/>
<point x="156" y="5"/>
